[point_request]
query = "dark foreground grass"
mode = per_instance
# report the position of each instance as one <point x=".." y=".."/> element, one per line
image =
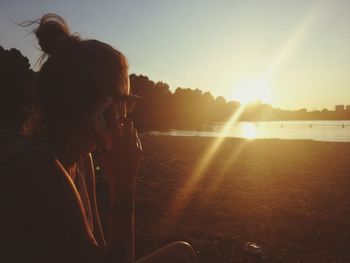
<point x="292" y="197"/>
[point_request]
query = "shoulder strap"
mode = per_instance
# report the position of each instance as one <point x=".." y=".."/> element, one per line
<point x="9" y="151"/>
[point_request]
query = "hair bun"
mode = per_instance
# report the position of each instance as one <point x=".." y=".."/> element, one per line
<point x="52" y="29"/>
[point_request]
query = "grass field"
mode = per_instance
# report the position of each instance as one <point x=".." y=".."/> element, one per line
<point x="292" y="197"/>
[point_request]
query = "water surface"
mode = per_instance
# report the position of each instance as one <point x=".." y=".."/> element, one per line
<point x="333" y="131"/>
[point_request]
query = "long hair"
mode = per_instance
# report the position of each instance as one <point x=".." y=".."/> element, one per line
<point x="75" y="77"/>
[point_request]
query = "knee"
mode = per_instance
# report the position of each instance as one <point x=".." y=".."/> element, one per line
<point x="185" y="250"/>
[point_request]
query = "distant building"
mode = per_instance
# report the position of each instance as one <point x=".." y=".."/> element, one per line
<point x="339" y="107"/>
<point x="347" y="108"/>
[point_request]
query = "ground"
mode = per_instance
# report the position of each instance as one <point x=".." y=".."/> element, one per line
<point x="291" y="197"/>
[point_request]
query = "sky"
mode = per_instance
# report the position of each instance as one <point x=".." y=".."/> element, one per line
<point x="290" y="54"/>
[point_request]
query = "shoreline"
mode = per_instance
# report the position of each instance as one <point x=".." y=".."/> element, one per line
<point x="161" y="134"/>
<point x="317" y="131"/>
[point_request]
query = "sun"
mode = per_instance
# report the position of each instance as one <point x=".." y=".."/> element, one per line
<point x="249" y="91"/>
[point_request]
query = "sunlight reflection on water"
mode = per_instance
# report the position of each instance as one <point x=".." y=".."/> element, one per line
<point x="248" y="130"/>
<point x="336" y="131"/>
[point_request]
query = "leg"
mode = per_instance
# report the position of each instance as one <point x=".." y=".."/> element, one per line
<point x="178" y="252"/>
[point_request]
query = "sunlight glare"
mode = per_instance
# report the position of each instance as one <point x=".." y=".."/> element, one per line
<point x="248" y="130"/>
<point x="250" y="90"/>
<point x="183" y="196"/>
<point x="247" y="91"/>
<point x="295" y="39"/>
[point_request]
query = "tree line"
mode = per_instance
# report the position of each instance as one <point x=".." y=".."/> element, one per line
<point x="193" y="108"/>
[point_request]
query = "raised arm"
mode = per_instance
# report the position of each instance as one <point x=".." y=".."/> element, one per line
<point x="121" y="164"/>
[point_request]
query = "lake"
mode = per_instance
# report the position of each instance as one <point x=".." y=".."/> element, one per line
<point x="333" y="131"/>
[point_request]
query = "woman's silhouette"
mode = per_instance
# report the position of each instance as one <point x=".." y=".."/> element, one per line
<point x="81" y="89"/>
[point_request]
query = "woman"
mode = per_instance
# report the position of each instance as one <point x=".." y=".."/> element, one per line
<point x="16" y="101"/>
<point x="80" y="89"/>
<point x="82" y="173"/>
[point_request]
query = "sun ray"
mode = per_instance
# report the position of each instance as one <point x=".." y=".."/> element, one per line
<point x="216" y="182"/>
<point x="259" y="89"/>
<point x="295" y="39"/>
<point x="183" y="196"/>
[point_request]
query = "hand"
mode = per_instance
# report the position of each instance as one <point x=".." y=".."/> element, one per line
<point x="122" y="161"/>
